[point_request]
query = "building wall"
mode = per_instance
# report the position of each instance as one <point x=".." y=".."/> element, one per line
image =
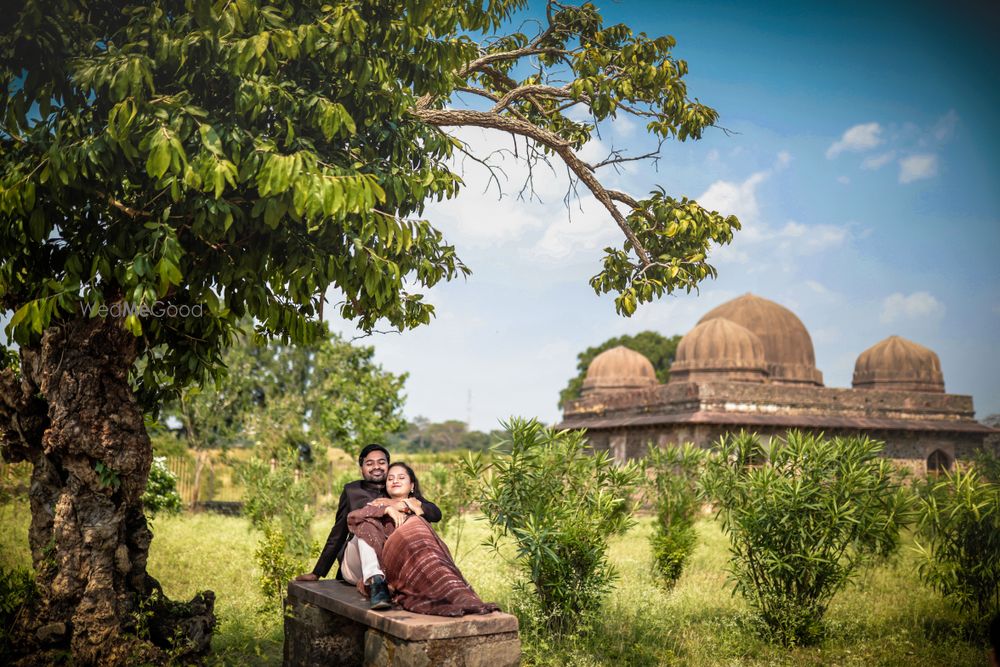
<point x="909" y="449"/>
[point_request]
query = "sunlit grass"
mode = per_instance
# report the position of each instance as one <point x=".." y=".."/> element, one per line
<point x="887" y="618"/>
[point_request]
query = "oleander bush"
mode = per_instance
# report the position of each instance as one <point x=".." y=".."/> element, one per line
<point x="958" y="539"/>
<point x="671" y="488"/>
<point x="803" y="515"/>
<point x="559" y="504"/>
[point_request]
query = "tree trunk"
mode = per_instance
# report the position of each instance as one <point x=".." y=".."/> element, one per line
<point x="73" y="414"/>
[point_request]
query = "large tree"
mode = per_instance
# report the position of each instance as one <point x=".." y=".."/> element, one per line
<point x="659" y="349"/>
<point x="246" y="158"/>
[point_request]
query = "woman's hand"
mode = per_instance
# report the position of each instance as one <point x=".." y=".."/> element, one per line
<point x="398" y="517"/>
<point x="415" y="506"/>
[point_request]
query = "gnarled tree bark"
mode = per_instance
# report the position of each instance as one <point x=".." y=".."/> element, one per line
<point x="73" y="415"/>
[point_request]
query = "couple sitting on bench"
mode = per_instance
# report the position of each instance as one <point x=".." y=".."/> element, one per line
<point x="385" y="545"/>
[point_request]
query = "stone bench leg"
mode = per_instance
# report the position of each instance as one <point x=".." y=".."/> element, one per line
<point x="316" y="638"/>
<point x="497" y="650"/>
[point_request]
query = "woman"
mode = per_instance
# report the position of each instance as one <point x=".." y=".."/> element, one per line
<point x="418" y="567"/>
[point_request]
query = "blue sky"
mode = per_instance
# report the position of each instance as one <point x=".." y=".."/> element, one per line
<point x="865" y="164"/>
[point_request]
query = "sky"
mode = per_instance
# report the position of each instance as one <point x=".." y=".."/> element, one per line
<point x="861" y="153"/>
<point x="863" y="159"/>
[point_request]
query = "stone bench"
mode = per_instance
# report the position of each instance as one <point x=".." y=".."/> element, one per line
<point x="330" y="623"/>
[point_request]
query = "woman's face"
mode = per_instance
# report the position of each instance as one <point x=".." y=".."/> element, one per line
<point x="398" y="483"/>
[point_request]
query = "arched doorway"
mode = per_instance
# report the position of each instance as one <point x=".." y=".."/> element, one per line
<point x="938" y="462"/>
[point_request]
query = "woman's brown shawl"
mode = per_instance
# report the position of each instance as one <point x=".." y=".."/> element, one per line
<point x="417" y="565"/>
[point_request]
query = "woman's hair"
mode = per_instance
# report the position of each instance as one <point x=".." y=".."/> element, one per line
<point x="413" y="477"/>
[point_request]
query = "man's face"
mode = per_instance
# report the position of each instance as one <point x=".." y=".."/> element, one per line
<point x="375" y="466"/>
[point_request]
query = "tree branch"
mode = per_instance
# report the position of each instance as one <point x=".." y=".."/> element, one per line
<point x="467" y="118"/>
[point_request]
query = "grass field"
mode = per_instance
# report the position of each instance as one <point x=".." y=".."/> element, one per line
<point x="887" y="618"/>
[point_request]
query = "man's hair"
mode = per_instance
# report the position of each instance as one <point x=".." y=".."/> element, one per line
<point x="371" y="448"/>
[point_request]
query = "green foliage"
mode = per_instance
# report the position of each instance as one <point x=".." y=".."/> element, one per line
<point x="453" y="492"/>
<point x="560" y="504"/>
<point x="277" y="566"/>
<point x="672" y="548"/>
<point x="160" y="157"/>
<point x="423" y="435"/>
<point x="803" y="514"/>
<point x="327" y="393"/>
<point x="107" y="477"/>
<point x="17" y="588"/>
<point x="959" y="521"/>
<point x="277" y="499"/>
<point x="672" y="489"/>
<point x="161" y="489"/>
<point x="986" y="462"/>
<point x="660" y="351"/>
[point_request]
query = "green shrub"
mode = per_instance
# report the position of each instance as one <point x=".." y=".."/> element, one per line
<point x="672" y="490"/>
<point x="802" y="515"/>
<point x="17" y="588"/>
<point x="454" y="493"/>
<point x="987" y="464"/>
<point x="559" y="503"/>
<point x="274" y="498"/>
<point x="959" y="521"/>
<point x="277" y="565"/>
<point x="161" y="489"/>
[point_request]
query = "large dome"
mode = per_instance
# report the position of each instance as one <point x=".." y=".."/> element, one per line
<point x="897" y="364"/>
<point x="619" y="369"/>
<point x="718" y="349"/>
<point x="788" y="348"/>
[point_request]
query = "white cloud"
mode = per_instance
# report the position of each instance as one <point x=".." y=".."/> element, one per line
<point x="878" y="161"/>
<point x="784" y="159"/>
<point x="843" y="180"/>
<point x="713" y="155"/>
<point x="917" y="167"/>
<point x="818" y="287"/>
<point x="586" y="228"/>
<point x="858" y="138"/>
<point x="919" y="305"/>
<point x="624" y="126"/>
<point x="739" y="199"/>
<point x="805" y="239"/>
<point x="945" y="127"/>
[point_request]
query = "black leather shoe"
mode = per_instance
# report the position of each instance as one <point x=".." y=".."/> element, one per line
<point x="380" y="593"/>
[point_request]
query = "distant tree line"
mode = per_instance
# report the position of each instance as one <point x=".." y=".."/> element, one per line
<point x="423" y="435"/>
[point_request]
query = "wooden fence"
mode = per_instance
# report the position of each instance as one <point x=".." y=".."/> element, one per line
<point x="217" y="483"/>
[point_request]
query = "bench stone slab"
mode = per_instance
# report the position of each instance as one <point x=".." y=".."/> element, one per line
<point x="330" y="623"/>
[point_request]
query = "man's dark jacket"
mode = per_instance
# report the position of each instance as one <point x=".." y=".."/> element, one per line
<point x="355" y="496"/>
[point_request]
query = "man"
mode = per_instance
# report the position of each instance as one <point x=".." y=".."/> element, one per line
<point x="374" y="463"/>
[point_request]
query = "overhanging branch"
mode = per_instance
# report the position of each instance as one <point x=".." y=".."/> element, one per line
<point x="583" y="171"/>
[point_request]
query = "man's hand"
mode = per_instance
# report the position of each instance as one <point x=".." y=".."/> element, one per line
<point x="397" y="516"/>
<point x="307" y="577"/>
<point x="382" y="502"/>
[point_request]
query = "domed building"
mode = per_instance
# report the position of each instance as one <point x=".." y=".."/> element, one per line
<point x="619" y="369"/>
<point x="749" y="364"/>
<point x="897" y="364"/>
<point x="788" y="347"/>
<point x="719" y="350"/>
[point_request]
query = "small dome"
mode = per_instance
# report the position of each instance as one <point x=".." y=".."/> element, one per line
<point x="619" y="369"/>
<point x="719" y="350"/>
<point x="897" y="364"/>
<point x="787" y="345"/>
